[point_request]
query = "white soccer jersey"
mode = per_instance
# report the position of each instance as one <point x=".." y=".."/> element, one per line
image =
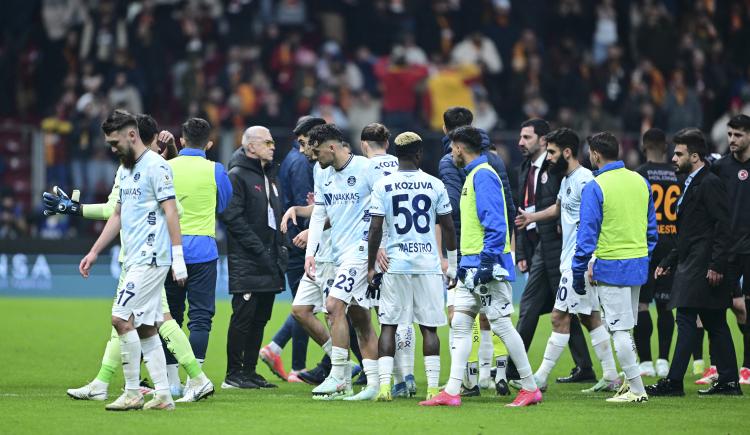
<point x="410" y="202"/>
<point x="324" y="253"/>
<point x="345" y="195"/>
<point x="386" y="164"/>
<point x="144" y="227"/>
<point x="570" y="211"/>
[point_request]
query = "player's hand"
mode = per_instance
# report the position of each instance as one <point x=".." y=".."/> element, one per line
<point x="662" y="272"/>
<point x="85" y="266"/>
<point x="382" y="260"/>
<point x="310" y="198"/>
<point x="290" y="214"/>
<point x="300" y="240"/>
<point x="523" y="266"/>
<point x="450" y="269"/>
<point x="373" y="284"/>
<point x="444" y="265"/>
<point x="590" y="273"/>
<point x="59" y="202"/>
<point x="166" y="137"/>
<point x="523" y="219"/>
<point x="579" y="285"/>
<point x="714" y="277"/>
<point x="484" y="273"/>
<point x="179" y="269"/>
<point x="310" y="267"/>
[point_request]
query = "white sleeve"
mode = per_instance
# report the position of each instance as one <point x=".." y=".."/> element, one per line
<point x="317" y="223"/>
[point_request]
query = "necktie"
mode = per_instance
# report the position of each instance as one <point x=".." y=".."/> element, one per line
<point x="530" y="190"/>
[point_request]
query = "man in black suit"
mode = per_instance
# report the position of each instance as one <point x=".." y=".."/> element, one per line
<point x="538" y="249"/>
<point x="699" y="262"/>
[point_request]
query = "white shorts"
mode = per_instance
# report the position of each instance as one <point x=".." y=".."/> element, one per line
<point x="619" y="306"/>
<point x="315" y="292"/>
<point x="406" y="299"/>
<point x="350" y="284"/>
<point x="495" y="300"/>
<point x="121" y="282"/>
<point x="140" y="295"/>
<point x="567" y="300"/>
<point x="450" y="297"/>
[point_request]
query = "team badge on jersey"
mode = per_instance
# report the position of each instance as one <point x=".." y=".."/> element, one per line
<point x="742" y="175"/>
<point x="544" y="179"/>
<point x="353" y="271"/>
<point x="137" y="176"/>
<point x="130" y="286"/>
<point x="351" y="180"/>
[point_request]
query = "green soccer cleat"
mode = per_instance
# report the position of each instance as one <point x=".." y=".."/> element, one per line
<point x="367" y="394"/>
<point x="432" y="392"/>
<point x="604" y="386"/>
<point x="629" y="397"/>
<point x="385" y="394"/>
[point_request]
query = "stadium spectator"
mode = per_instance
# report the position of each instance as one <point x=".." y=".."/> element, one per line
<point x="399" y="81"/>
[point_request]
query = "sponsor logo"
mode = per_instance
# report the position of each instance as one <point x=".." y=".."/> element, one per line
<point x="574" y="305"/>
<point x="150" y="239"/>
<point x="328" y="183"/>
<point x="742" y="175"/>
<point x="351" y="180"/>
<point x="366" y="216"/>
<point x="506" y="305"/>
<point x="131" y="192"/>
<point x="464" y="191"/>
<point x="614" y="322"/>
<point x="130" y="285"/>
<point x="341" y="198"/>
<point x="258" y="188"/>
<point x="388" y="188"/>
<point x="151" y="219"/>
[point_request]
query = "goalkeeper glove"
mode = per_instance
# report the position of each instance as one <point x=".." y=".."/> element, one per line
<point x="58" y="202"/>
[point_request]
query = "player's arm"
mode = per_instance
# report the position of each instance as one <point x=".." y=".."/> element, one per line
<point x="374" y="237"/>
<point x="491" y="214"/>
<point x="717" y="202"/>
<point x="523" y="218"/>
<point x="589" y="226"/>
<point x="179" y="270"/>
<point x="110" y="231"/>
<point x="447" y="236"/>
<point x="652" y="234"/>
<point x="303" y="211"/>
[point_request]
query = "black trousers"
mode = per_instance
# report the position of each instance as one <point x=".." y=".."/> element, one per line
<point x="246" y="326"/>
<point x="538" y="299"/>
<point x="720" y="339"/>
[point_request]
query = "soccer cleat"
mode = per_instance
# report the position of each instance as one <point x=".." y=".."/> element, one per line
<point x="502" y="388"/>
<point x="699" y="367"/>
<point x="259" y="380"/>
<point x="745" y="376"/>
<point x="366" y="394"/>
<point x="709" y="377"/>
<point x="174" y="390"/>
<point x="578" y="374"/>
<point x="432" y="392"/>
<point x="145" y="387"/>
<point x="411" y="385"/>
<point x="662" y="367"/>
<point x="330" y="387"/>
<point x="94" y="390"/>
<point x="399" y="390"/>
<point x="273" y="361"/>
<point x="160" y="403"/>
<point x="126" y="402"/>
<point x="361" y="379"/>
<point x="197" y="390"/>
<point x="315" y="376"/>
<point x="629" y="397"/>
<point x="722" y="388"/>
<point x="294" y="377"/>
<point x="665" y="387"/>
<point x="604" y="385"/>
<point x="238" y="380"/>
<point x="526" y="398"/>
<point x="470" y="392"/>
<point x="647" y="368"/>
<point x="384" y="395"/>
<point x="625" y="387"/>
<point x="516" y="383"/>
<point x="442" y="399"/>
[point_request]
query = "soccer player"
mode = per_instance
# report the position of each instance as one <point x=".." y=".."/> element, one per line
<point x="410" y="203"/>
<point x="486" y="270"/>
<point x="665" y="189"/>
<point x="147" y="214"/>
<point x="618" y="226"/>
<point x="343" y="197"/>
<point x="173" y="336"/>
<point x="562" y="155"/>
<point x="734" y="171"/>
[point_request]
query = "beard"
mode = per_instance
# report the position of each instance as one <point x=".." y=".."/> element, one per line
<point x="127" y="159"/>
<point x="560" y="167"/>
<point x="683" y="168"/>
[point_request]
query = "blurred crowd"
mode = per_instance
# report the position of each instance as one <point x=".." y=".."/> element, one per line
<point x="592" y="65"/>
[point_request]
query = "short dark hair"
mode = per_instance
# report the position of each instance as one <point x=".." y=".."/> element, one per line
<point x="694" y="140"/>
<point x="325" y="132"/>
<point x="306" y="123"/>
<point x="541" y="127"/>
<point x="469" y="136"/>
<point x="456" y="117"/>
<point x="740" y="122"/>
<point x="606" y="144"/>
<point x="655" y="139"/>
<point x="117" y="120"/>
<point x="377" y="133"/>
<point x="147" y="127"/>
<point x="196" y="132"/>
<point x="564" y="138"/>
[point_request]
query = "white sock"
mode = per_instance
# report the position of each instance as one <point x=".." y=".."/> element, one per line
<point x="348" y="374"/>
<point x="99" y="385"/>
<point x="339" y="363"/>
<point x="327" y="347"/>
<point x="450" y="339"/>
<point x="275" y="348"/>
<point x="173" y="375"/>
<point x="460" y="350"/>
<point x="370" y="367"/>
<point x="626" y="355"/>
<point x="404" y="359"/>
<point x="156" y="362"/>
<point x="555" y="347"/>
<point x="501" y="364"/>
<point x="432" y="369"/>
<point x="504" y="329"/>
<point x="130" y="350"/>
<point x="385" y="369"/>
<point x="486" y="349"/>
<point x="603" y="348"/>
<point x="200" y="361"/>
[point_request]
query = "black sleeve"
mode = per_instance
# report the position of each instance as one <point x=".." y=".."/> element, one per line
<point x="235" y="220"/>
<point x="717" y="203"/>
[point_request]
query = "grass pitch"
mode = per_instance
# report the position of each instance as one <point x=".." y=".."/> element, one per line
<point x="49" y="345"/>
